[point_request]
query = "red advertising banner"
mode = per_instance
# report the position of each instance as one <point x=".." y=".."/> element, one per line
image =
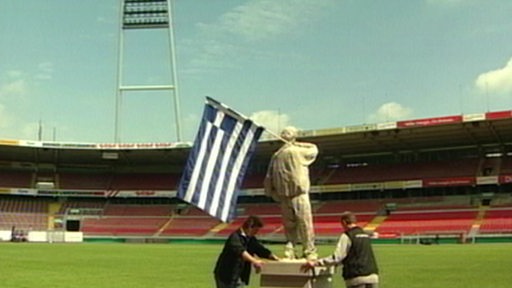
<point x="498" y="115"/>
<point x="505" y="179"/>
<point x="456" y="181"/>
<point x="429" y="121"/>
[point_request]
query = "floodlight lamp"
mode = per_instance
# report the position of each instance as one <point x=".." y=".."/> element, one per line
<point x="145" y="14"/>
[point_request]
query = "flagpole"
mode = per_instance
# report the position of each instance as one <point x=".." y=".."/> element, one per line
<point x="276" y="135"/>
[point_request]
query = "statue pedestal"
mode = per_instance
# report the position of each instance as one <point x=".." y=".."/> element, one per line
<point x="288" y="274"/>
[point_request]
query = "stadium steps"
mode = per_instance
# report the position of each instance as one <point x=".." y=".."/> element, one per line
<point x="475" y="227"/>
<point x="219" y="227"/>
<point x="372" y="225"/>
<point x="53" y="209"/>
<point x="162" y="229"/>
<point x="326" y="178"/>
<point x="276" y="231"/>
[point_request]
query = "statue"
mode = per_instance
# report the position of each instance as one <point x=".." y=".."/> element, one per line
<point x="287" y="182"/>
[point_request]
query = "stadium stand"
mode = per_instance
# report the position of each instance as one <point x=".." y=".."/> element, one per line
<point x="137" y="210"/>
<point x="428" y="221"/>
<point x="327" y="215"/>
<point x="16" y="179"/>
<point x="253" y="180"/>
<point x="444" y="174"/>
<point x="270" y="214"/>
<point x="404" y="171"/>
<point x="23" y="213"/>
<point x="126" y="219"/>
<point x="89" y="203"/>
<point x="196" y="226"/>
<point x="94" y="181"/>
<point x="155" y="181"/>
<point x="497" y="220"/>
<point x="122" y="226"/>
<point x="506" y="165"/>
<point x="128" y="181"/>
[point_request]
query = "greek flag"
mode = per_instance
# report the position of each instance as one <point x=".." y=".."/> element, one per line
<point x="218" y="160"/>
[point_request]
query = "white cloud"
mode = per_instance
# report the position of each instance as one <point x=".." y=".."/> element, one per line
<point x="212" y="56"/>
<point x="14" y="74"/>
<point x="16" y="87"/>
<point x="496" y="81"/>
<point x="45" y="71"/>
<point x="262" y="19"/>
<point x="13" y="84"/>
<point x="13" y="88"/>
<point x="271" y="120"/>
<point x="390" y="112"/>
<point x="256" y="20"/>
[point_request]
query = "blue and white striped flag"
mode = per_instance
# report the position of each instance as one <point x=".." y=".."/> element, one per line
<point x="218" y="160"/>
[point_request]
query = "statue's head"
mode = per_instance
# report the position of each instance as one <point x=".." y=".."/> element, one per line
<point x="289" y="133"/>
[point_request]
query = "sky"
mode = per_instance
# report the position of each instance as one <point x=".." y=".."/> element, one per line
<point x="313" y="64"/>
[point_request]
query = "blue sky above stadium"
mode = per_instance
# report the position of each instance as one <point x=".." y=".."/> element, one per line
<point x="313" y="64"/>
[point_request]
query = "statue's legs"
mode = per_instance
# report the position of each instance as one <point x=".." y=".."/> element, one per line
<point x="290" y="227"/>
<point x="298" y="226"/>
<point x="305" y="227"/>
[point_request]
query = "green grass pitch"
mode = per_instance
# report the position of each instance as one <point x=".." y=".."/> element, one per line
<point x="112" y="265"/>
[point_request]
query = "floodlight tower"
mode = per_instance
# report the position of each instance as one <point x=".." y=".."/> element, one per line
<point x="147" y="14"/>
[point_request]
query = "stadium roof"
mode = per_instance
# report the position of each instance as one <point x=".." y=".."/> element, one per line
<point x="488" y="131"/>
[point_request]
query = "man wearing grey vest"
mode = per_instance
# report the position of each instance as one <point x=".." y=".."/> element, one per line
<point x="355" y="253"/>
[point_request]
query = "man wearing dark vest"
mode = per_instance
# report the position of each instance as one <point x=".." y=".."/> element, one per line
<point x="354" y="252"/>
